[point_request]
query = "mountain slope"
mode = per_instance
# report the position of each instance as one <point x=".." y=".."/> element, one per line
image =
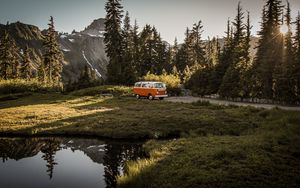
<point x="80" y="48"/>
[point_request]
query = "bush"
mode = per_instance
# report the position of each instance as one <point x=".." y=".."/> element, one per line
<point x="22" y="86"/>
<point x="102" y="90"/>
<point x="172" y="82"/>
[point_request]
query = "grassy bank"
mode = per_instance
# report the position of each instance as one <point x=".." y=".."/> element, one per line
<point x="216" y="146"/>
<point x="122" y="117"/>
<point x="266" y="157"/>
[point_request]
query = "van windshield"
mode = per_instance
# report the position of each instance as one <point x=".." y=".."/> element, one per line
<point x="137" y="85"/>
<point x="159" y="85"/>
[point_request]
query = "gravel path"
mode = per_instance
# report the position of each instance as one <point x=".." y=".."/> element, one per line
<point x="190" y="99"/>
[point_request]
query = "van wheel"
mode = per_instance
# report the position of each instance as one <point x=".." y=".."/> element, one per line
<point x="161" y="98"/>
<point x="150" y="97"/>
<point x="137" y="96"/>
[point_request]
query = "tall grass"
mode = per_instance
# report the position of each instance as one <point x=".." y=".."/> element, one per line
<point x="102" y="90"/>
<point x="21" y="86"/>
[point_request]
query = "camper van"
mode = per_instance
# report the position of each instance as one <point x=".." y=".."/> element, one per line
<point x="151" y="90"/>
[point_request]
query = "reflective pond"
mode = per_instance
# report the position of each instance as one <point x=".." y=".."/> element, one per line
<point x="64" y="162"/>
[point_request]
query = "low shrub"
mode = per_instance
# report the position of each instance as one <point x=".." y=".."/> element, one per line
<point x="22" y="86"/>
<point x="172" y="82"/>
<point x="103" y="90"/>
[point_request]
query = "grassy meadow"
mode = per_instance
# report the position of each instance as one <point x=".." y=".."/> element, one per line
<point x="190" y="145"/>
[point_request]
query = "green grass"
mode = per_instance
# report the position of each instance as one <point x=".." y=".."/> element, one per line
<point x="268" y="157"/>
<point x="215" y="146"/>
<point x="121" y="117"/>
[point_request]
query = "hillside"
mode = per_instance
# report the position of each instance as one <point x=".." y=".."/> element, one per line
<point x="79" y="48"/>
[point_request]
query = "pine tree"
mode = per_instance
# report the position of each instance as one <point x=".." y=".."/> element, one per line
<point x="182" y="56"/>
<point x="198" y="53"/>
<point x="85" y="79"/>
<point x="269" y="53"/>
<point x="154" y="51"/>
<point x="225" y="58"/>
<point x="26" y="69"/>
<point x="9" y="62"/>
<point x="162" y="53"/>
<point x="231" y="82"/>
<point x="247" y="71"/>
<point x="168" y="59"/>
<point x="5" y="57"/>
<point x="174" y="52"/>
<point x="147" y="49"/>
<point x="283" y="73"/>
<point x="128" y="73"/>
<point x="296" y="66"/>
<point x="49" y="150"/>
<point x="15" y="61"/>
<point x="113" y="41"/>
<point x="51" y="67"/>
<point x="136" y="49"/>
<point x="213" y="54"/>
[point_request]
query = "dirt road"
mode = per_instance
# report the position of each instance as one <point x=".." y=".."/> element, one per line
<point x="190" y="99"/>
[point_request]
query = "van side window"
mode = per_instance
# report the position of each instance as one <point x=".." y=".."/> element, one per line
<point x="159" y="85"/>
<point x="137" y="85"/>
<point x="144" y="85"/>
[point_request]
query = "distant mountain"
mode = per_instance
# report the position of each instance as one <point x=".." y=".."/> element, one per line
<point x="80" y="48"/>
<point x="85" y="48"/>
<point x="26" y="35"/>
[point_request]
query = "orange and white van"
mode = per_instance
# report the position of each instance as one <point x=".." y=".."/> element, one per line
<point x="151" y="90"/>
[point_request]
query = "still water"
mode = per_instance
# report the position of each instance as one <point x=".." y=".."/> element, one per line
<point x="63" y="162"/>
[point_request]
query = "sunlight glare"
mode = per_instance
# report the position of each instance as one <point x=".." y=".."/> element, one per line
<point x="284" y="29"/>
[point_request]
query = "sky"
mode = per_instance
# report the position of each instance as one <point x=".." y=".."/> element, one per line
<point x="170" y="17"/>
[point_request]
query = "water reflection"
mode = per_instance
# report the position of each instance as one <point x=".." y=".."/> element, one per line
<point x="64" y="162"/>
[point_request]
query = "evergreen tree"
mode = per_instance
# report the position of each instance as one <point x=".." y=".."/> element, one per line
<point x="225" y="58"/>
<point x="162" y="55"/>
<point x="113" y="41"/>
<point x="5" y="57"/>
<point x="283" y="73"/>
<point x="174" y="54"/>
<point x="15" y="60"/>
<point x="231" y="82"/>
<point x="182" y="56"/>
<point x="136" y="50"/>
<point x="213" y="61"/>
<point x="26" y="69"/>
<point x="9" y="62"/>
<point x="246" y="79"/>
<point x="49" y="150"/>
<point x="147" y="50"/>
<point x="168" y="59"/>
<point x="128" y="72"/>
<point x="51" y="67"/>
<point x="296" y="70"/>
<point x="213" y="52"/>
<point x="154" y="43"/>
<point x="198" y="52"/>
<point x="269" y="53"/>
<point x="85" y="79"/>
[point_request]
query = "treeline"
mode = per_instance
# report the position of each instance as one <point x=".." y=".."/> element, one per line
<point x="16" y="63"/>
<point x="87" y="78"/>
<point x="132" y="54"/>
<point x="207" y="67"/>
